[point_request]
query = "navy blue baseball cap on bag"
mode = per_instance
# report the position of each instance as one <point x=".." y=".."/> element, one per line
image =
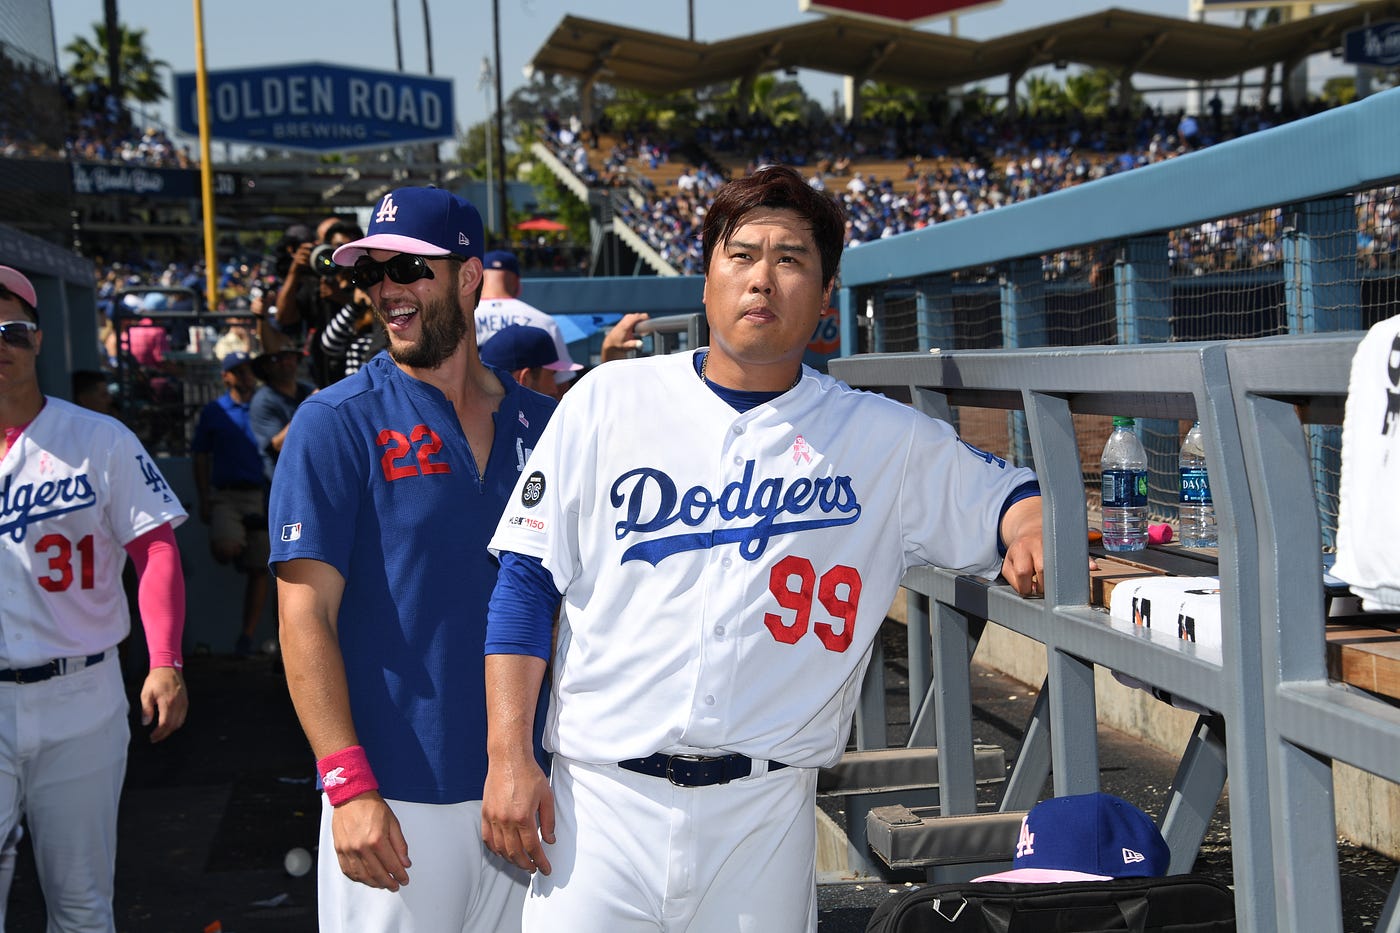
<point x="421" y="222"/>
<point x="1086" y="837"/>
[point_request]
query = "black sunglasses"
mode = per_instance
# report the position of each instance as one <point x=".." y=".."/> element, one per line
<point x="17" y="333"/>
<point x="403" y="269"/>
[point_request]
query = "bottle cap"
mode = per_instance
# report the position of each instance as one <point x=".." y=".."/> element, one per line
<point x="1121" y="422"/>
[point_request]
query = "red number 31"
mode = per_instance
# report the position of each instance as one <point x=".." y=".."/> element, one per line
<point x="59" y="551"/>
<point x="792" y="582"/>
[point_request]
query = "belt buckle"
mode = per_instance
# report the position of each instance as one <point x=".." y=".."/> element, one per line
<point x="670" y="766"/>
<point x="46" y="671"/>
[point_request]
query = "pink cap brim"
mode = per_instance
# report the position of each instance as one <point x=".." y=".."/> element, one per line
<point x="563" y="367"/>
<point x="1042" y="876"/>
<point x="350" y="253"/>
<point x="16" y="282"/>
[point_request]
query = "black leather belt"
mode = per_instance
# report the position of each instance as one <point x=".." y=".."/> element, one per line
<point x="55" y="668"/>
<point x="696" y="770"/>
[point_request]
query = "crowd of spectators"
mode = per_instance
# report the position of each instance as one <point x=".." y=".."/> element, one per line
<point x="42" y="115"/>
<point x="942" y="170"/>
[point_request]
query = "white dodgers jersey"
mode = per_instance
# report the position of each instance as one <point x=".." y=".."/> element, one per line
<point x="75" y="488"/>
<point x="725" y="574"/>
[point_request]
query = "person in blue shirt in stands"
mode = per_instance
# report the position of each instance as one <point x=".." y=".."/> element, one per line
<point x="232" y="489"/>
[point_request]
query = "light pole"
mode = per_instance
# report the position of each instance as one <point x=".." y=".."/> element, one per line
<point x="483" y="83"/>
<point x="500" y="120"/>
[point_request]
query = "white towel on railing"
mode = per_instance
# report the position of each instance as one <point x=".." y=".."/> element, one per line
<point x="1170" y="609"/>
<point x="1368" y="515"/>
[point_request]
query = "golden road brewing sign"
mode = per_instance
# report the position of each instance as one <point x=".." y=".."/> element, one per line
<point x="318" y="107"/>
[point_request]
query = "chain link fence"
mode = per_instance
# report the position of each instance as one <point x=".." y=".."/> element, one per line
<point x="1329" y="265"/>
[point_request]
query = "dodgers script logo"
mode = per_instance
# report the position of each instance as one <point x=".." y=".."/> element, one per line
<point x="22" y="506"/>
<point x="652" y="503"/>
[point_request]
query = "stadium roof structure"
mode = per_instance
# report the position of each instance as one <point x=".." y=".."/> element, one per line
<point x="1124" y="41"/>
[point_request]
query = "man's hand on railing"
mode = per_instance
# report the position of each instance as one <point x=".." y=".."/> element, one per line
<point x="1024" y="564"/>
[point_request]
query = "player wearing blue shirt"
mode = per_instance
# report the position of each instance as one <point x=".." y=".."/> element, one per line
<point x="388" y="486"/>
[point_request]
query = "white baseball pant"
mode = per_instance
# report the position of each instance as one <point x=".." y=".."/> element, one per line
<point x="635" y="853"/>
<point x="455" y="885"/>
<point x="63" y="744"/>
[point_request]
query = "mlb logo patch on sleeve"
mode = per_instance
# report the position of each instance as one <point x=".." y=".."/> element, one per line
<point x="291" y="532"/>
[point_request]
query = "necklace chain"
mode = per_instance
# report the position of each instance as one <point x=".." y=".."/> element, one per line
<point x="705" y="366"/>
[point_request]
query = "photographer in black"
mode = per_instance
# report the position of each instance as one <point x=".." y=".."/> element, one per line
<point x="313" y="292"/>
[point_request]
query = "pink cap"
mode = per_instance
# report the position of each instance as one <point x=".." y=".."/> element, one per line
<point x="16" y="282"/>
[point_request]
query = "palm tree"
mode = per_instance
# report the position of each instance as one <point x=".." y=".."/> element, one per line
<point x="889" y="102"/>
<point x="1090" y="92"/>
<point x="779" y="102"/>
<point x="138" y="75"/>
<point x="1043" y="97"/>
<point x="635" y="109"/>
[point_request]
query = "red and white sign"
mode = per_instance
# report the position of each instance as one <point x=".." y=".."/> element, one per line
<point x="900" y="12"/>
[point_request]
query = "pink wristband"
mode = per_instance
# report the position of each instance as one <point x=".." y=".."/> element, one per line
<point x="345" y="774"/>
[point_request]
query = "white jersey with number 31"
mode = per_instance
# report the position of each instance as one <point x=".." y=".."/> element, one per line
<point x="75" y="488"/>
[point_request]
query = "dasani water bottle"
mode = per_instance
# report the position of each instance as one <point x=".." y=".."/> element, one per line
<point x="1196" y="510"/>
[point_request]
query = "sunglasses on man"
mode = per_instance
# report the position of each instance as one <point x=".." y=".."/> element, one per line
<point x="403" y="269"/>
<point x="17" y="334"/>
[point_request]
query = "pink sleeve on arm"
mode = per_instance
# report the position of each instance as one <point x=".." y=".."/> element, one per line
<point x="161" y="594"/>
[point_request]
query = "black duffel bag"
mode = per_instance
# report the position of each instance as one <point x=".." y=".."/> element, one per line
<point x="1174" y="904"/>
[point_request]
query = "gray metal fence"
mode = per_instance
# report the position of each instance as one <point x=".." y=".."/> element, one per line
<point x="1229" y="286"/>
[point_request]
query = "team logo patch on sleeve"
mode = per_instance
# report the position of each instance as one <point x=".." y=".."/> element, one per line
<point x="291" y="532"/>
<point x="533" y="491"/>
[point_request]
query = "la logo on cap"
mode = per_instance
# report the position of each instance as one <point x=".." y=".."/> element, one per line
<point x="388" y="210"/>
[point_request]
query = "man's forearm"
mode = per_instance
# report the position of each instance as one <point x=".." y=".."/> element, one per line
<point x="308" y="600"/>
<point x="512" y="691"/>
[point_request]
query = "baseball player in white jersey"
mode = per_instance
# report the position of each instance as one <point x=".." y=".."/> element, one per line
<point x="725" y="560"/>
<point x="500" y="307"/>
<point x="78" y="495"/>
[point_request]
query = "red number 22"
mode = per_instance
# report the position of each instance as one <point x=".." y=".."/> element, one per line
<point x="395" y="462"/>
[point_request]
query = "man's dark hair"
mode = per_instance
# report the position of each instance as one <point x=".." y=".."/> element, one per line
<point x="88" y="380"/>
<point x="345" y="228"/>
<point x="777" y="186"/>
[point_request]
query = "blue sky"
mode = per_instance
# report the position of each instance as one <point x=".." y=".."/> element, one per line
<point x="359" y="33"/>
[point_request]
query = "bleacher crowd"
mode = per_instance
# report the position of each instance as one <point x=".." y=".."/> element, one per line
<point x="85" y="123"/>
<point x="898" y="176"/>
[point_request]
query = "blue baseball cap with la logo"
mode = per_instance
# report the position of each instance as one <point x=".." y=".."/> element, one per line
<point x="420" y="221"/>
<point x="1086" y="837"/>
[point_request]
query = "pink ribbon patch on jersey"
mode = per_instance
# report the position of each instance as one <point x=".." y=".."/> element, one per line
<point x="801" y="450"/>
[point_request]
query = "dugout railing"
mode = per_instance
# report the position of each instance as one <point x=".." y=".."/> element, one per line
<point x="1182" y="381"/>
<point x="1111" y="263"/>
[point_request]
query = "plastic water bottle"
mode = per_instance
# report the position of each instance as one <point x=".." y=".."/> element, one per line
<point x="1124" y="465"/>
<point x="1196" y="510"/>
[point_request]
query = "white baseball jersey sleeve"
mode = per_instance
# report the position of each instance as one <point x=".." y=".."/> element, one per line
<point x="725" y="574"/>
<point x="75" y="489"/>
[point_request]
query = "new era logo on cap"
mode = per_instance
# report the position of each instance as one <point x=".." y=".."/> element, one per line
<point x="420" y="221"/>
<point x="1084" y="837"/>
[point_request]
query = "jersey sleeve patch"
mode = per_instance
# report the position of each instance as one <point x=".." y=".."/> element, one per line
<point x="532" y="492"/>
